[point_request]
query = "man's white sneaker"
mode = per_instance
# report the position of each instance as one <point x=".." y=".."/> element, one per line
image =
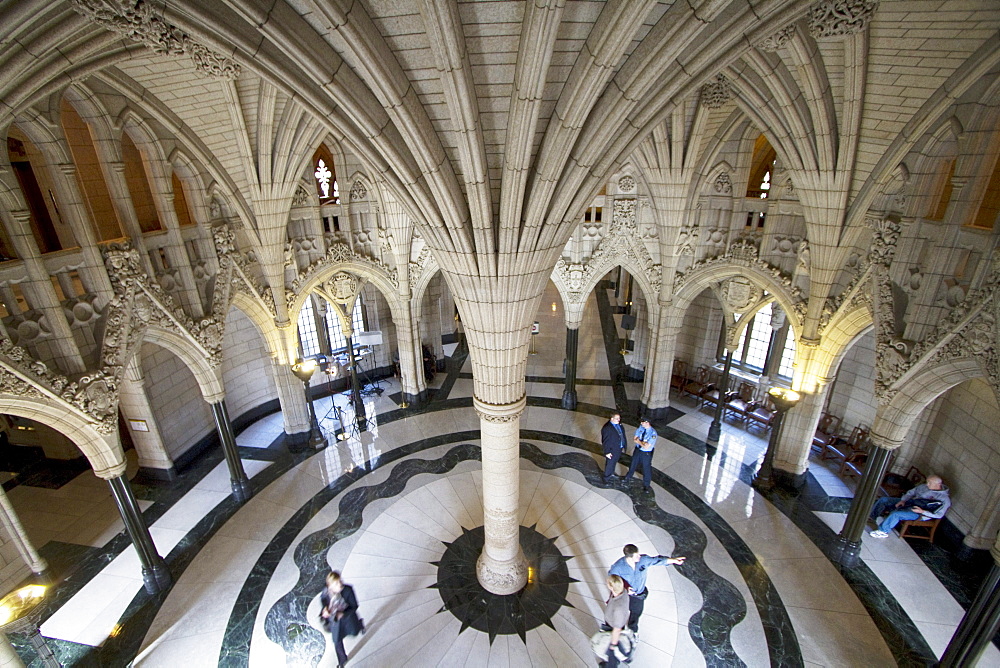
<point x="878" y="534"/>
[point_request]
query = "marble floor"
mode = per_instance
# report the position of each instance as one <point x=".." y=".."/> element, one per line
<point x="397" y="507"/>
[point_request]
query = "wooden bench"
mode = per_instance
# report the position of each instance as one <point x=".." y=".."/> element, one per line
<point x="906" y="528"/>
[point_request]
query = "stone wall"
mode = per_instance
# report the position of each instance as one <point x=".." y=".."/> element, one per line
<point x="180" y="411"/>
<point x="852" y="397"/>
<point x="963" y="448"/>
<point x="246" y="365"/>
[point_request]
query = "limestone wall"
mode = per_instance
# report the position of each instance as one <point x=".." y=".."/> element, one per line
<point x="178" y="407"/>
<point x="963" y="448"/>
<point x="852" y="397"/>
<point x="246" y="369"/>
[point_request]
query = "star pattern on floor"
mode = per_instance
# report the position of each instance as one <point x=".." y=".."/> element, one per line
<point x="473" y="606"/>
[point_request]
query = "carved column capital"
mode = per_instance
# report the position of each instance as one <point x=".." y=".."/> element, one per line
<point x="499" y="413"/>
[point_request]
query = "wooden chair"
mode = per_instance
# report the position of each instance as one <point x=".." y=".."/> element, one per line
<point x="713" y="393"/>
<point x="906" y="528"/>
<point x="697" y="385"/>
<point x="826" y="431"/>
<point x="895" y="485"/>
<point x="738" y="403"/>
<point x="841" y="449"/>
<point x="761" y="414"/>
<point x="679" y="378"/>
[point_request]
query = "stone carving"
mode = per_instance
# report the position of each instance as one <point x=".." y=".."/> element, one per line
<point x="774" y="42"/>
<point x="832" y="18"/>
<point x="621" y="245"/>
<point x="740" y="293"/>
<point x="424" y="265"/>
<point x="135" y="20"/>
<point x="336" y="256"/>
<point x="626" y="184"/>
<point x="302" y="196"/>
<point x="743" y="253"/>
<point x="723" y="185"/>
<point x="150" y="304"/>
<point x="890" y="357"/>
<point x="358" y="191"/>
<point x="94" y="395"/>
<point x="717" y="92"/>
<point x="342" y="287"/>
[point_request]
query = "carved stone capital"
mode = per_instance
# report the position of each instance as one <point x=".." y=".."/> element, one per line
<point x="832" y="18"/>
<point x="499" y="413"/>
<point x="717" y="92"/>
<point x="137" y="21"/>
<point x="774" y="42"/>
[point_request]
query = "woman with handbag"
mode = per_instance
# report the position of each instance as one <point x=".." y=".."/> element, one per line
<point x="340" y="613"/>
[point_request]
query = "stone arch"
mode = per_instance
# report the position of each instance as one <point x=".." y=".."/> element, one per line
<point x="187" y="171"/>
<point x="195" y="358"/>
<point x="895" y="419"/>
<point x="360" y="267"/>
<point x="598" y="266"/>
<point x="430" y="268"/>
<point x="700" y="278"/>
<point x="843" y="332"/>
<point x="104" y="452"/>
<point x="261" y="318"/>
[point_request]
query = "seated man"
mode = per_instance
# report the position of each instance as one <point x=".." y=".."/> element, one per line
<point x="928" y="501"/>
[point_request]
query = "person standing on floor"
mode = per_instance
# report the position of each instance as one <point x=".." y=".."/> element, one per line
<point x="632" y="569"/>
<point x="645" y="441"/>
<point x="340" y="613"/>
<point x="613" y="442"/>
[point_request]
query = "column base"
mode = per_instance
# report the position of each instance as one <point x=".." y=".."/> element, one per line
<point x="241" y="490"/>
<point x="714" y="433"/>
<point x="413" y="400"/>
<point x="666" y="412"/>
<point x="849" y="552"/>
<point x="157" y="578"/>
<point x="158" y="474"/>
<point x="569" y="400"/>
<point x="502" y="577"/>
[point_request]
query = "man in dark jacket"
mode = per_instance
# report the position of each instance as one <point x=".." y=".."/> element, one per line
<point x="613" y="442"/>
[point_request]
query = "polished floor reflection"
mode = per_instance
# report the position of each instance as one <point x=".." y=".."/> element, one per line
<point x="397" y="508"/>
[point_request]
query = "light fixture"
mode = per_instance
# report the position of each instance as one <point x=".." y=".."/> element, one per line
<point x="303" y="370"/>
<point x="20" y="613"/>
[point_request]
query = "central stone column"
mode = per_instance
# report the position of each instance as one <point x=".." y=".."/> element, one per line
<point x="502" y="568"/>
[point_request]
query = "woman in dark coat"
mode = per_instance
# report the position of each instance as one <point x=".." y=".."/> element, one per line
<point x="340" y="613"/>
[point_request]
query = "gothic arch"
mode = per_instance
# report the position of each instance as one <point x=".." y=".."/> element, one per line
<point x="103" y="452"/>
<point x="894" y="420"/>
<point x="701" y="277"/>
<point x="195" y="358"/>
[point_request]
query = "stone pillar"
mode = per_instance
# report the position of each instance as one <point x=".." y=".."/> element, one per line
<point x="293" y="402"/>
<point x="413" y="384"/>
<point x="660" y="365"/>
<point x="19" y="537"/>
<point x="237" y="475"/>
<point x="864" y="498"/>
<point x="981" y="622"/>
<point x="502" y="568"/>
<point x="154" y="460"/>
<point x="792" y="456"/>
<point x="569" y="393"/>
<point x="155" y="574"/>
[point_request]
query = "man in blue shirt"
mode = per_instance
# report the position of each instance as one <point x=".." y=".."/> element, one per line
<point x="645" y="441"/>
<point x="613" y="442"/>
<point x="632" y="569"/>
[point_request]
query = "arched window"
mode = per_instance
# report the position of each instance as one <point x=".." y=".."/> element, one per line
<point x="761" y="166"/>
<point x="325" y="175"/>
<point x="309" y="336"/>
<point x="763" y="350"/>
